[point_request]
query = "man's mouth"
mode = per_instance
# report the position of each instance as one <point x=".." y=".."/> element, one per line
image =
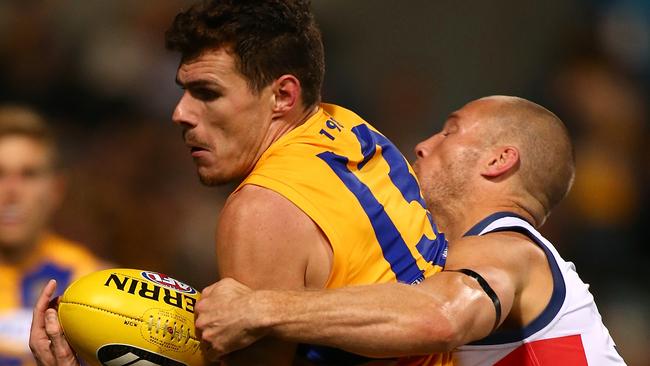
<point x="195" y="146"/>
<point x="10" y="216"/>
<point x="197" y="151"/>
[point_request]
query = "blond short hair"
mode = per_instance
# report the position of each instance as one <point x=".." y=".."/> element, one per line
<point x="17" y="120"/>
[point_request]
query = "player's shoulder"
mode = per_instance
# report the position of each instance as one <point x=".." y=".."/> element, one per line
<point x="65" y="253"/>
<point x="265" y="210"/>
<point x="254" y="200"/>
<point x="260" y="231"/>
<point x="65" y="247"/>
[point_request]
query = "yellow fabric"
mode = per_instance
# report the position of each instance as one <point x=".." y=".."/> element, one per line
<point x="297" y="167"/>
<point x="20" y="284"/>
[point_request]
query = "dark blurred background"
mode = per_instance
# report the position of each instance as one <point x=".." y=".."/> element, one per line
<point x="99" y="70"/>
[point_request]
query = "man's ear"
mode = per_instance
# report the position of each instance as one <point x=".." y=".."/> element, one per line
<point x="502" y="160"/>
<point x="286" y="94"/>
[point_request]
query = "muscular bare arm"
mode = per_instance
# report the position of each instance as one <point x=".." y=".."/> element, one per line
<point x="265" y="242"/>
<point x="446" y="310"/>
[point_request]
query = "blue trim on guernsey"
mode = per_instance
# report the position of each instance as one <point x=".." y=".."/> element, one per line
<point x="34" y="281"/>
<point x="432" y="250"/>
<point x="393" y="246"/>
<point x="476" y="229"/>
<point x="559" y="290"/>
<point x="326" y="356"/>
<point x="10" y="361"/>
<point x="398" y="169"/>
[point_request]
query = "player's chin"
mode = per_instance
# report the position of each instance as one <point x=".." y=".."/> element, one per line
<point x="212" y="178"/>
<point x="14" y="236"/>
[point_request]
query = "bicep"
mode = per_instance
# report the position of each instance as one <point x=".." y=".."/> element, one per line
<point x="263" y="241"/>
<point x="467" y="304"/>
<point x="471" y="306"/>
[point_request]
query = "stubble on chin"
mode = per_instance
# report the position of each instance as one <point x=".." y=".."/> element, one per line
<point x="445" y="192"/>
<point x="207" y="180"/>
<point x="213" y="180"/>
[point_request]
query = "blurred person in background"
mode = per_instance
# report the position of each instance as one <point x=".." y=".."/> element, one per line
<point x="31" y="189"/>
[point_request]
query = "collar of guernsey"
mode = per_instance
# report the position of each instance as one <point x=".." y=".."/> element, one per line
<point x="324" y="112"/>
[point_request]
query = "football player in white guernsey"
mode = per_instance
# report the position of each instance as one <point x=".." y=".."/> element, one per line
<point x="506" y="297"/>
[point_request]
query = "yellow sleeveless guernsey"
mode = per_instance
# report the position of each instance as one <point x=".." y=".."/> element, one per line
<point x="21" y="283"/>
<point x="362" y="193"/>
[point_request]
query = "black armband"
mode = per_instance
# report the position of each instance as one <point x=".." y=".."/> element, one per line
<point x="488" y="291"/>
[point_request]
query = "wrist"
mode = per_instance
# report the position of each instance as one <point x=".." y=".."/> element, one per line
<point x="266" y="310"/>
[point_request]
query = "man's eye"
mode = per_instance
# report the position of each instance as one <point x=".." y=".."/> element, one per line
<point x="33" y="173"/>
<point x="204" y="94"/>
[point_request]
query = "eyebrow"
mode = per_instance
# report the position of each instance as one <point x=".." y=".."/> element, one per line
<point x="195" y="83"/>
<point x="451" y="119"/>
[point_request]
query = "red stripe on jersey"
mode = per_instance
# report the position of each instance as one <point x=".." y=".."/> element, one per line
<point x="554" y="351"/>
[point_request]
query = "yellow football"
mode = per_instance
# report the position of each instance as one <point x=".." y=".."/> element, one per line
<point x="122" y="317"/>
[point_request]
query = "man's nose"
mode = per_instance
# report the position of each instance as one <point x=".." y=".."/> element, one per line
<point x="183" y="113"/>
<point x="11" y="185"/>
<point x="420" y="150"/>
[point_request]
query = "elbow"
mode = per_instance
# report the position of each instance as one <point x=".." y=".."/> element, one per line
<point x="440" y="330"/>
<point x="451" y="335"/>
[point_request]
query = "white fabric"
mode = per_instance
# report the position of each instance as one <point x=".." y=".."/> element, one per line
<point x="578" y="315"/>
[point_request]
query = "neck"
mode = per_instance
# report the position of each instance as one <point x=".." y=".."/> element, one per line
<point x="13" y="253"/>
<point x="277" y="129"/>
<point x="457" y="221"/>
<point x="290" y="123"/>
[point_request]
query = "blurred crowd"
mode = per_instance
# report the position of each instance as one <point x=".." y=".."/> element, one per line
<point x="99" y="72"/>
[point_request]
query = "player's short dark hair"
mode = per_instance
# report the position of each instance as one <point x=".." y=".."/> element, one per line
<point x="269" y="38"/>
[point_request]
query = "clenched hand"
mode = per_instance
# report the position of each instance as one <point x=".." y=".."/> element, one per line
<point x="228" y="318"/>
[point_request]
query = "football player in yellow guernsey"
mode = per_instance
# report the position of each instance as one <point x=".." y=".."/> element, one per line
<point x="360" y="191"/>
<point x="30" y="190"/>
<point x="325" y="200"/>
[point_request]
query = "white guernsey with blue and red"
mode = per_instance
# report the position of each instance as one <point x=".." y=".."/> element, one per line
<point x="569" y="331"/>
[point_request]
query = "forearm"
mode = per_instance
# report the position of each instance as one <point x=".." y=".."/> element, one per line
<point x="379" y="321"/>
